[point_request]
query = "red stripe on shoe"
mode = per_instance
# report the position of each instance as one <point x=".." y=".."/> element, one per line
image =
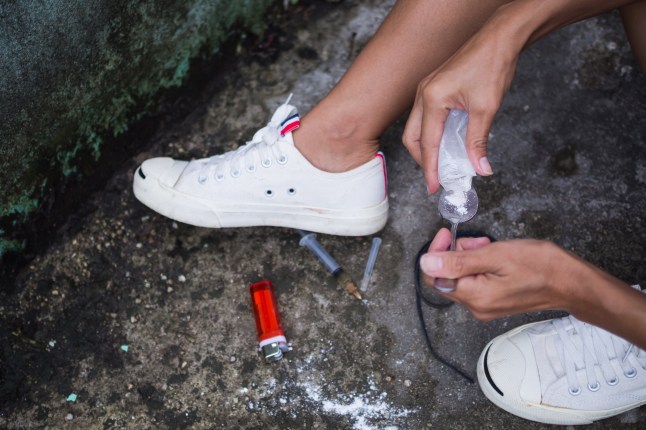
<point x="383" y="164"/>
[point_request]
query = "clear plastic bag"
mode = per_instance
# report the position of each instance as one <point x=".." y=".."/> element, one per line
<point x="454" y="168"/>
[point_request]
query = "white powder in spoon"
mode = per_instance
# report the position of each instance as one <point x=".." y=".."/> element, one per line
<point x="458" y="200"/>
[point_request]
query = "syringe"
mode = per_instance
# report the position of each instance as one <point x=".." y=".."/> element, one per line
<point x="372" y="257"/>
<point x="308" y="239"/>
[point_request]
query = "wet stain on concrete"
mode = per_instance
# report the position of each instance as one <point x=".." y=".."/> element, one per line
<point x="563" y="163"/>
<point x="538" y="225"/>
<point x="600" y="66"/>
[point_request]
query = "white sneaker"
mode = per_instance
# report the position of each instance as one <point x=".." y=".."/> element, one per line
<point x="563" y="371"/>
<point x="267" y="182"/>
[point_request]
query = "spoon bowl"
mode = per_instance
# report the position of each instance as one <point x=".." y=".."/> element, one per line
<point x="458" y="206"/>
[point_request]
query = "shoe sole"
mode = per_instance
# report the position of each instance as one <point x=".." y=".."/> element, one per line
<point x="538" y="412"/>
<point x="204" y="213"/>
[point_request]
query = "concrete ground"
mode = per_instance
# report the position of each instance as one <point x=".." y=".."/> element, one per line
<point x="570" y="160"/>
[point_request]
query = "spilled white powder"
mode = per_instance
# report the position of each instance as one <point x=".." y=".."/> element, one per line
<point x="306" y="391"/>
<point x="365" y="410"/>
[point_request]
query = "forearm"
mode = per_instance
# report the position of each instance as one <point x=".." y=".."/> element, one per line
<point x="587" y="292"/>
<point x="523" y="22"/>
<point x="600" y="299"/>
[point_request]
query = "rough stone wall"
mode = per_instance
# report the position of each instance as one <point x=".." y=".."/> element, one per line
<point x="75" y="74"/>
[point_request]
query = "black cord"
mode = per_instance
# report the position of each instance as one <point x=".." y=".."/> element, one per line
<point x="419" y="297"/>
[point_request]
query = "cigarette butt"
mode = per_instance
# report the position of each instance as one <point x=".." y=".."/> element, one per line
<point x="350" y="286"/>
<point x="352" y="289"/>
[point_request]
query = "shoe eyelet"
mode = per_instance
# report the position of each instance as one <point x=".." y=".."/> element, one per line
<point x="631" y="373"/>
<point x="594" y="387"/>
<point x="613" y="381"/>
<point x="266" y="163"/>
<point x="201" y="179"/>
<point x="574" y="392"/>
<point x="269" y="193"/>
<point x="291" y="191"/>
<point x="219" y="177"/>
<point x="251" y="168"/>
<point x="235" y="173"/>
<point x="282" y="159"/>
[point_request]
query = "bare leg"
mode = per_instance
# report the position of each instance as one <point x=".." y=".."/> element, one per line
<point x="342" y="131"/>
<point x="634" y="18"/>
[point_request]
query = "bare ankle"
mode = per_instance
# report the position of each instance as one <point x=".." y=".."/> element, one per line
<point x="334" y="149"/>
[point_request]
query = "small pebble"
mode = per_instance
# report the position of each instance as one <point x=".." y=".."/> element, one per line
<point x="181" y="278"/>
<point x="169" y="289"/>
<point x="184" y="364"/>
<point x="133" y="319"/>
<point x="55" y="293"/>
<point x="69" y="417"/>
<point x="407" y="383"/>
<point x="232" y="359"/>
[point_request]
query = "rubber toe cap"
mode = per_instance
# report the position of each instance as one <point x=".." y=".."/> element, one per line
<point x="511" y="366"/>
<point x="164" y="169"/>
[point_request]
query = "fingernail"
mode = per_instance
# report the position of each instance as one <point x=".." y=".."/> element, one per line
<point x="485" y="166"/>
<point x="430" y="263"/>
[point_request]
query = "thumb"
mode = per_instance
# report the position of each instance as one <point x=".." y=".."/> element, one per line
<point x="477" y="140"/>
<point x="454" y="265"/>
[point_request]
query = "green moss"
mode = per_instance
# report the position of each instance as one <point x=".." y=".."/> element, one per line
<point x="10" y="245"/>
<point x="167" y="69"/>
<point x="112" y="66"/>
<point x="22" y="206"/>
<point x="180" y="71"/>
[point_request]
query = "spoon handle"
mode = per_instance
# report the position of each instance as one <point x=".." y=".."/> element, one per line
<point x="442" y="284"/>
<point x="454" y="234"/>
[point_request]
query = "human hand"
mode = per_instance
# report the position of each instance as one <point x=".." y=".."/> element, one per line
<point x="501" y="278"/>
<point x="474" y="79"/>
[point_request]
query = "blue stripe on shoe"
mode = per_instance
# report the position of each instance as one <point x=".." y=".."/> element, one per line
<point x="288" y="119"/>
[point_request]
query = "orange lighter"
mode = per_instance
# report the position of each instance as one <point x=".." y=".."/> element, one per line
<point x="271" y="338"/>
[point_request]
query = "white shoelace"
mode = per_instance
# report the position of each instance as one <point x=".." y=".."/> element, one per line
<point x="586" y="346"/>
<point x="261" y="149"/>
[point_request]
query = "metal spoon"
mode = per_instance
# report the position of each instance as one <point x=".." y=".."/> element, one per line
<point x="456" y="207"/>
